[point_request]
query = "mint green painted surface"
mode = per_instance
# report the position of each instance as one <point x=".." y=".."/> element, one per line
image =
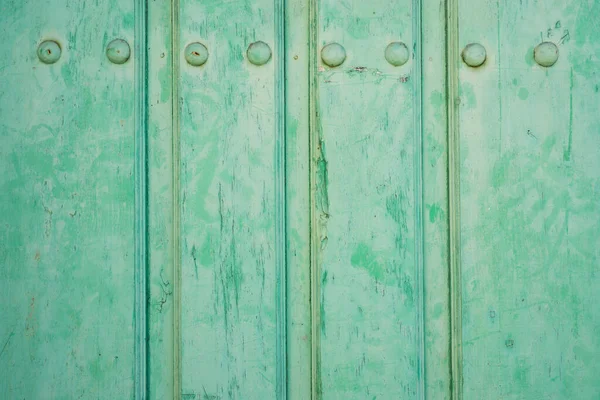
<point x="67" y="203"/>
<point x="530" y="215"/>
<point x="162" y="241"/>
<point x="426" y="231"/>
<point x="365" y="181"/>
<point x="229" y="199"/>
<point x="380" y="200"/>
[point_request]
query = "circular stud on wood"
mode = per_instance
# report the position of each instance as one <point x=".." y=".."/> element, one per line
<point x="545" y="54"/>
<point x="259" y="53"/>
<point x="397" y="54"/>
<point x="474" y="55"/>
<point x="333" y="55"/>
<point x="118" y="51"/>
<point x="196" y="54"/>
<point x="49" y="52"/>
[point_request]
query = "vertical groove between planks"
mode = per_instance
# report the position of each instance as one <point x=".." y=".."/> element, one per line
<point x="176" y="207"/>
<point x="452" y="51"/>
<point x="280" y="201"/>
<point x="419" y="228"/>
<point x="313" y="156"/>
<point x="141" y="200"/>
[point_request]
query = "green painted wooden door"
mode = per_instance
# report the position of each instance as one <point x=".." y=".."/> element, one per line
<point x="300" y="199"/>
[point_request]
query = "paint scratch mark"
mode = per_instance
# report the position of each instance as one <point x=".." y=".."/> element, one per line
<point x="322" y="306"/>
<point x="30" y="327"/>
<point x="207" y="396"/>
<point x="567" y="153"/>
<point x="166" y="292"/>
<point x="322" y="196"/>
<point x="195" y="258"/>
<point x="7" y="341"/>
<point x="48" y="222"/>
<point x="529" y="133"/>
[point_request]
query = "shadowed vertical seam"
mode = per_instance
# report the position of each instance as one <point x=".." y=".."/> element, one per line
<point x="452" y="95"/>
<point x="280" y="201"/>
<point x="141" y="200"/>
<point x="418" y="160"/>
<point x="176" y="206"/>
<point x="313" y="142"/>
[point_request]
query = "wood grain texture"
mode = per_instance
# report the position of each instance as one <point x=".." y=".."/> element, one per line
<point x="291" y="230"/>
<point x="530" y="180"/>
<point x="452" y="100"/>
<point x="162" y="237"/>
<point x="365" y="193"/>
<point x="229" y="309"/>
<point x="67" y="202"/>
<point x="435" y="202"/>
<point x="299" y="338"/>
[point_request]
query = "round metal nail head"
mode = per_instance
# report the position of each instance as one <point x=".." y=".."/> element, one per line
<point x="196" y="54"/>
<point x="259" y="53"/>
<point x="397" y="54"/>
<point x="118" y="51"/>
<point x="333" y="54"/>
<point x="545" y="54"/>
<point x="474" y="55"/>
<point x="49" y="52"/>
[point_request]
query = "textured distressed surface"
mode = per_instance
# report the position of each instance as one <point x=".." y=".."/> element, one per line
<point x="228" y="200"/>
<point x="435" y="203"/>
<point x="161" y="243"/>
<point x="66" y="203"/>
<point x="530" y="183"/>
<point x="365" y="201"/>
<point x="298" y="198"/>
<point x="530" y="218"/>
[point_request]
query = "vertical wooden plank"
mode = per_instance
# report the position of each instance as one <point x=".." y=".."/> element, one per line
<point x="177" y="209"/>
<point x="67" y="202"/>
<point x="298" y="199"/>
<point x="315" y="213"/>
<point x="530" y="179"/>
<point x="161" y="235"/>
<point x="232" y="233"/>
<point x="436" y="207"/>
<point x="454" y="205"/>
<point x="367" y="196"/>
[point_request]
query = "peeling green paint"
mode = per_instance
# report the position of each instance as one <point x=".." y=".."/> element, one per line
<point x="351" y="215"/>
<point x="529" y="223"/>
<point x="364" y="257"/>
<point x="322" y="195"/>
<point x="467" y="95"/>
<point x="523" y="93"/>
<point x="435" y="213"/>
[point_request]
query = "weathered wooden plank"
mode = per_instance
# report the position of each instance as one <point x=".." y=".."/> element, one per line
<point x="454" y="250"/>
<point x="530" y="179"/>
<point x="67" y="202"/>
<point x="162" y="234"/>
<point x="230" y="204"/>
<point x="436" y="209"/>
<point x="299" y="377"/>
<point x="366" y="200"/>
